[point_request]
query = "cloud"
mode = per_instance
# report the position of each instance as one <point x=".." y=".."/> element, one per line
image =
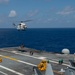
<point x="66" y="11"/>
<point x="74" y="16"/>
<point x="47" y="0"/>
<point x="48" y="20"/>
<point x="32" y="13"/>
<point x="12" y="13"/>
<point x="0" y="21"/>
<point x="44" y="20"/>
<point x="4" y="1"/>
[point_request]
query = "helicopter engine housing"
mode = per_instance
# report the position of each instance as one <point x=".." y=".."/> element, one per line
<point x="21" y="26"/>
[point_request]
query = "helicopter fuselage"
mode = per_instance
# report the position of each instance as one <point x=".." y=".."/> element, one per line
<point x="21" y="26"/>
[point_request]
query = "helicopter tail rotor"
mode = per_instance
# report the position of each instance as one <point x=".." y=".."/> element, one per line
<point x="14" y="24"/>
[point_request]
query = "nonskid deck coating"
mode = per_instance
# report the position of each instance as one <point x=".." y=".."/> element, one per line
<point x="9" y="55"/>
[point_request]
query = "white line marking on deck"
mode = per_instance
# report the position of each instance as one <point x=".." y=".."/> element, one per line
<point x="24" y="54"/>
<point x="41" y="58"/>
<point x="34" y="57"/>
<point x="3" y="73"/>
<point x="26" y="63"/>
<point x="14" y="59"/>
<point x="11" y="70"/>
<point x="57" y="63"/>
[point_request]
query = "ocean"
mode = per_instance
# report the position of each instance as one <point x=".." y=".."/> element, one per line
<point x="47" y="39"/>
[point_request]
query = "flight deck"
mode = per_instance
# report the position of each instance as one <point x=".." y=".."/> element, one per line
<point x="17" y="62"/>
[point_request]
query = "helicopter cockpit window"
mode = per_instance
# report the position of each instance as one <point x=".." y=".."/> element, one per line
<point x="19" y="24"/>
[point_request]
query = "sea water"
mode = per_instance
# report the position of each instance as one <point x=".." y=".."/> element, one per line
<point x="48" y="39"/>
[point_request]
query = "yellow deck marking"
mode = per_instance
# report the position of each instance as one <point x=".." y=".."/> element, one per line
<point x="9" y="58"/>
<point x="14" y="59"/>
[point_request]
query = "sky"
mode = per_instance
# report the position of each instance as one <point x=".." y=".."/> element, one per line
<point x="43" y="13"/>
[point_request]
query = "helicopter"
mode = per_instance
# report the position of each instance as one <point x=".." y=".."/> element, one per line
<point x="21" y="25"/>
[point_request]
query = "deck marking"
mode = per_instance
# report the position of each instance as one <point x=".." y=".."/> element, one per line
<point x="57" y="63"/>
<point x="26" y="63"/>
<point x="9" y="57"/>
<point x="57" y="72"/>
<point x="35" y="57"/>
<point x="14" y="59"/>
<point x="11" y="70"/>
<point x="3" y="73"/>
<point x="24" y="54"/>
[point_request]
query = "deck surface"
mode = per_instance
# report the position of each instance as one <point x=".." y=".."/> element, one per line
<point x="15" y="62"/>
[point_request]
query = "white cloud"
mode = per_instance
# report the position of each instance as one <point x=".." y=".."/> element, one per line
<point x="50" y="19"/>
<point x="47" y="20"/>
<point x="0" y="21"/>
<point x="68" y="21"/>
<point x="12" y="13"/>
<point x="32" y="13"/>
<point x="74" y="16"/>
<point x="4" y="1"/>
<point x="66" y="11"/>
<point x="47" y="0"/>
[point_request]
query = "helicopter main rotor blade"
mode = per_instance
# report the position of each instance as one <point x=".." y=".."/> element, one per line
<point x="26" y="21"/>
<point x="23" y="21"/>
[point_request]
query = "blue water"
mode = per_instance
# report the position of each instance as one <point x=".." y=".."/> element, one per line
<point x="52" y="39"/>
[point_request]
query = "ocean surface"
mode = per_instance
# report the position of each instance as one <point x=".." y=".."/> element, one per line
<point x="47" y="39"/>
